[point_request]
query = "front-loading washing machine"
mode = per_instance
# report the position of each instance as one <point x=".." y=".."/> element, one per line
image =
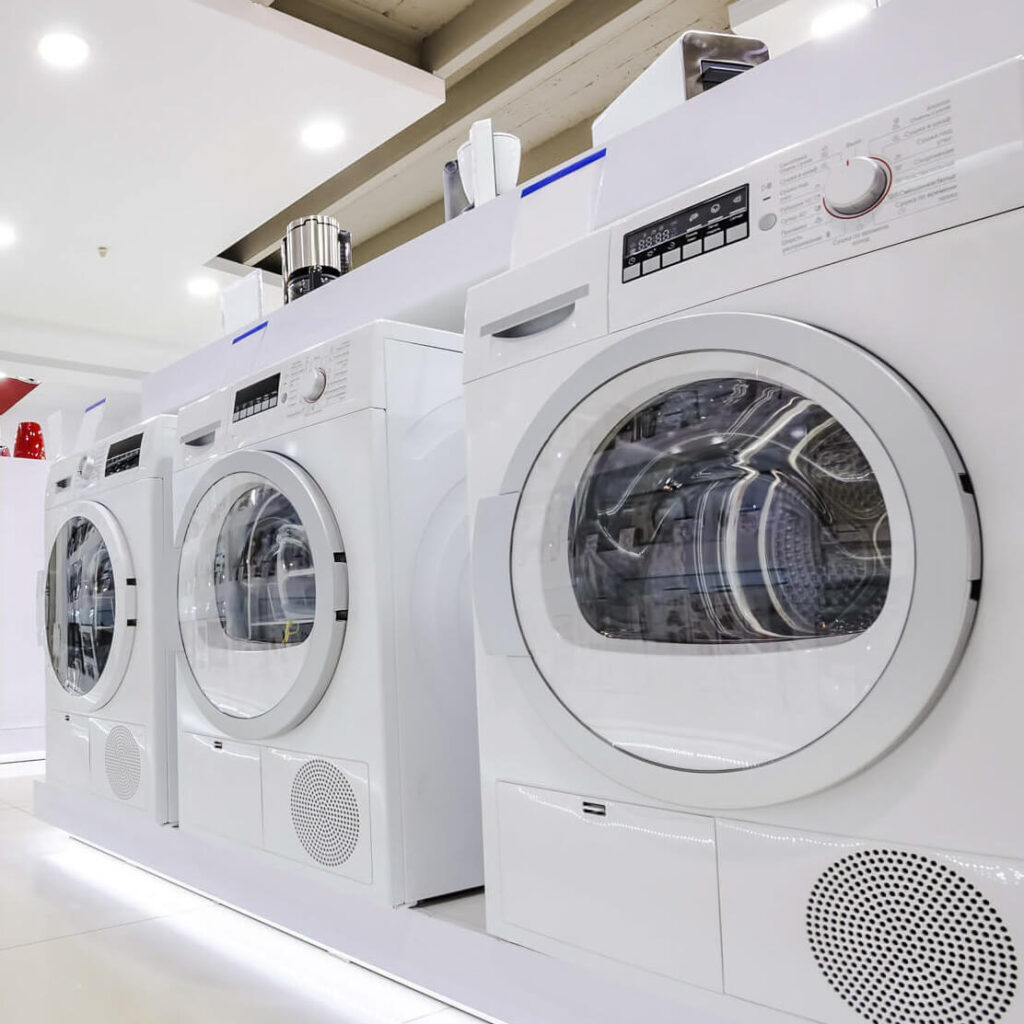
<point x="327" y="717"/>
<point x="108" y="622"/>
<point x="749" y="715"/>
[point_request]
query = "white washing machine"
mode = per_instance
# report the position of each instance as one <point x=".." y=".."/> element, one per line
<point x="749" y="719"/>
<point x="327" y="710"/>
<point x="108" y="621"/>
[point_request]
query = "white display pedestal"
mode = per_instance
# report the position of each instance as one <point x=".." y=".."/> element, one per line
<point x="453" y="961"/>
<point x="22" y="557"/>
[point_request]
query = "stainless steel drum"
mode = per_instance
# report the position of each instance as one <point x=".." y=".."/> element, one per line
<point x="729" y="510"/>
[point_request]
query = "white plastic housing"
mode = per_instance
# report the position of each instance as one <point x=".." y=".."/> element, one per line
<point x="923" y="289"/>
<point x="381" y="688"/>
<point x="123" y="488"/>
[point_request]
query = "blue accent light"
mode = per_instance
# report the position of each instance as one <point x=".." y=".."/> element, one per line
<point x="563" y="172"/>
<point x="251" y="331"/>
<point x="95" y="405"/>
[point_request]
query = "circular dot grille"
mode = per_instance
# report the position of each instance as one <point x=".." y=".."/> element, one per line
<point x="325" y="814"/>
<point x="905" y="939"/>
<point x="122" y="758"/>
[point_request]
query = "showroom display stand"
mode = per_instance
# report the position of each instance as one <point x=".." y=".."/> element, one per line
<point x="454" y="961"/>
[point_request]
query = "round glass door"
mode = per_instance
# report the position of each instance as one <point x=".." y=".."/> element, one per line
<point x="716" y="559"/>
<point x="258" y="593"/>
<point x="81" y="605"/>
<point x="89" y="604"/>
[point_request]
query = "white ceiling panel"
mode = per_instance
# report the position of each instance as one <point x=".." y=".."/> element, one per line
<point x="179" y="135"/>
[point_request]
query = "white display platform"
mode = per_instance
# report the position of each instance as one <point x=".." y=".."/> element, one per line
<point x="22" y="557"/>
<point x="454" y="962"/>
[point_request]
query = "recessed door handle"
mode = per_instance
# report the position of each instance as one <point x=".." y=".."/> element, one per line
<point x="539" y="317"/>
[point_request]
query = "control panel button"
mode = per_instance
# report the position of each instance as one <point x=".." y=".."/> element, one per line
<point x="768" y="221"/>
<point x="630" y="273"/>
<point x="312" y="385"/>
<point x="714" y="240"/>
<point x="736" y="233"/>
<point x="670" y="256"/>
<point x="691" y="249"/>
<point x="651" y="264"/>
<point x="857" y="186"/>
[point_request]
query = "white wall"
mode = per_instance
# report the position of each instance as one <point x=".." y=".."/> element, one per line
<point x="22" y="557"/>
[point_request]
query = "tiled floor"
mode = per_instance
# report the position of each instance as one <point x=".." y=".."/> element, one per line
<point x="87" y="938"/>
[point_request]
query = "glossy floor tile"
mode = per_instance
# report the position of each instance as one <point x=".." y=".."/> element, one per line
<point x="85" y="938"/>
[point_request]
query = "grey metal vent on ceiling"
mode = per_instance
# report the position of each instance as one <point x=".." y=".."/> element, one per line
<point x="325" y="814"/>
<point x="122" y="758"/>
<point x="905" y="939"/>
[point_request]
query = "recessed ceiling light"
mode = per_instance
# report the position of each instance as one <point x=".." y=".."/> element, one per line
<point x="63" y="50"/>
<point x="835" y="19"/>
<point x="321" y="135"/>
<point x="203" y="287"/>
<point x="8" y="236"/>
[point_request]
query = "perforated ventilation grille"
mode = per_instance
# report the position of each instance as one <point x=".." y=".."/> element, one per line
<point x="905" y="939"/>
<point x="325" y="814"/>
<point x="122" y="758"/>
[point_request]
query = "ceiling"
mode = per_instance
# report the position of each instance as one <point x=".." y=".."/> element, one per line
<point x="178" y="135"/>
<point x="408" y="21"/>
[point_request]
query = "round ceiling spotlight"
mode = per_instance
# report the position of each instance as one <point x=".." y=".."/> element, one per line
<point x="835" y="19"/>
<point x="203" y="287"/>
<point x="323" y="135"/>
<point x="8" y="236"/>
<point x="63" y="50"/>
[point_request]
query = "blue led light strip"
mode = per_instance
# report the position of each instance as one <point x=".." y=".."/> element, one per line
<point x="95" y="405"/>
<point x="251" y="331"/>
<point x="563" y="172"/>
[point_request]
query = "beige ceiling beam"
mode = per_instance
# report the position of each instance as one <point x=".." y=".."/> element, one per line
<point x="539" y="47"/>
<point x="479" y="31"/>
<point x="358" y="24"/>
<point x="451" y="52"/>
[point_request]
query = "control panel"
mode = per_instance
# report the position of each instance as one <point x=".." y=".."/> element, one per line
<point x="324" y="381"/>
<point x="938" y="160"/>
<point x="256" y="398"/>
<point x="686" y="234"/>
<point x="318" y="378"/>
<point x="122" y="456"/>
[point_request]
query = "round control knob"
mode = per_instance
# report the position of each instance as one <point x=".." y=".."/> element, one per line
<point x="87" y="467"/>
<point x="312" y="385"/>
<point x="857" y="187"/>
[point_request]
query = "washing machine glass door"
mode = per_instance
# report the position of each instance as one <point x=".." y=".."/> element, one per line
<point x="262" y="593"/>
<point x="715" y="556"/>
<point x="89" y="604"/>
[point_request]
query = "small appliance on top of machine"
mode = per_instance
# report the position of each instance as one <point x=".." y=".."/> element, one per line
<point x="314" y="251"/>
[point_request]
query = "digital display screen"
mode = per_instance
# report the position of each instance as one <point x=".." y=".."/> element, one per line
<point x="256" y="397"/>
<point x="123" y="455"/>
<point x="692" y="222"/>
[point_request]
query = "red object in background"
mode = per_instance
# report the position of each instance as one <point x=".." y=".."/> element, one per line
<point x="29" y="442"/>
<point x="5" y="452"/>
<point x="12" y="391"/>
